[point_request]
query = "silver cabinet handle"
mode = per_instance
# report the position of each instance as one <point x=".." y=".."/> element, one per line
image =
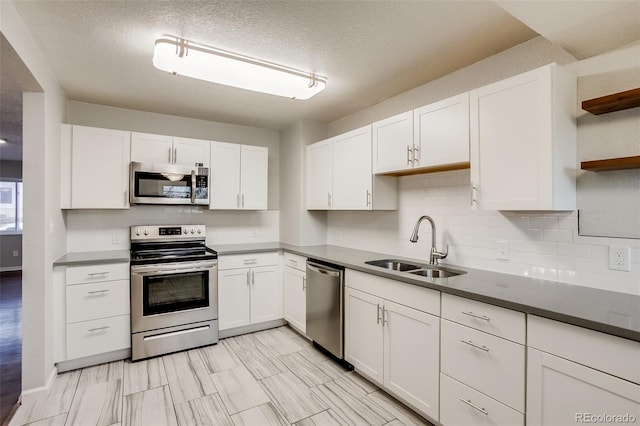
<point x="242" y="199"/>
<point x="474" y="190"/>
<point x="482" y="317"/>
<point x="175" y="155"/>
<point x="328" y="199"/>
<point x="385" y="316"/>
<point x="470" y="343"/>
<point x="91" y="330"/>
<point x="238" y="200"/>
<point x="304" y="284"/>
<point x="252" y="261"/>
<point x="98" y="291"/>
<point x="378" y="319"/>
<point x="293" y="262"/>
<point x="248" y="277"/>
<point x="472" y="405"/>
<point x="93" y="274"/>
<point x="416" y="155"/>
<point x="169" y="155"/>
<point x="368" y="198"/>
<point x="409" y="159"/>
<point x="253" y="278"/>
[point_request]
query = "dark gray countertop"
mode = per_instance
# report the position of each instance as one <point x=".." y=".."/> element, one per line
<point x="601" y="310"/>
<point x="92" y="257"/>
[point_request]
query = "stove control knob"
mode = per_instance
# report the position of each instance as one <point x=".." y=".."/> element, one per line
<point x="138" y="232"/>
<point x="146" y="231"/>
<point x="199" y="230"/>
<point x="193" y="230"/>
<point x="185" y="231"/>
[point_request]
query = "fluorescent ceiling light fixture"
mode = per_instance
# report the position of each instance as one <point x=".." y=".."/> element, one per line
<point x="183" y="57"/>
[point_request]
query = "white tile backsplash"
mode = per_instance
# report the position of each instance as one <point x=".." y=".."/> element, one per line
<point x="89" y="230"/>
<point x="541" y="244"/>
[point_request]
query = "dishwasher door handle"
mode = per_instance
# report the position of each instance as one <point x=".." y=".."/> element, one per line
<point x="320" y="269"/>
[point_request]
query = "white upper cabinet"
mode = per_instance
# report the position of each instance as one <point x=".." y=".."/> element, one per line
<point x="238" y="177"/>
<point x="393" y="143"/>
<point x="434" y="137"/>
<point x="150" y="148"/>
<point x="94" y="168"/>
<point x="441" y="132"/>
<point x="523" y="142"/>
<point x="339" y="175"/>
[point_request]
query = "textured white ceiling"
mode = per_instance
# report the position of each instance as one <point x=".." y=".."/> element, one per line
<point x="369" y="50"/>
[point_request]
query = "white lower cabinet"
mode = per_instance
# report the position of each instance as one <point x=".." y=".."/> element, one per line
<point x="394" y="343"/>
<point x="575" y="375"/>
<point x="294" y="282"/>
<point x="97" y="310"/>
<point x="249" y="289"/>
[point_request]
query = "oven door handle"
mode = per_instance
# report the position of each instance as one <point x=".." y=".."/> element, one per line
<point x="171" y="269"/>
<point x="193" y="186"/>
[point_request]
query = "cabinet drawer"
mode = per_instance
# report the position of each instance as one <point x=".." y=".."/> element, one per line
<point x="97" y="300"/>
<point x="295" y="261"/>
<point x="234" y="261"/>
<point x="611" y="354"/>
<point x="462" y="405"/>
<point x="492" y="365"/>
<point x="98" y="336"/>
<point x="491" y="319"/>
<point x="94" y="273"/>
<point x="413" y="296"/>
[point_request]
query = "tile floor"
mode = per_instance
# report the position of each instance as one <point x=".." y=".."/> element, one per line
<point x="273" y="377"/>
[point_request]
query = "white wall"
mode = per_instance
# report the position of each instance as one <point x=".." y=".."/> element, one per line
<point x="542" y="244"/>
<point x="44" y="228"/>
<point x="106" y="230"/>
<point x="297" y="225"/>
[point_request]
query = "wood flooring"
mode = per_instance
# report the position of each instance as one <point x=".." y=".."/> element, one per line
<point x="272" y="377"/>
<point x="10" y="341"/>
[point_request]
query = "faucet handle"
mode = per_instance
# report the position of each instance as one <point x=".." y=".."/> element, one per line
<point x="439" y="255"/>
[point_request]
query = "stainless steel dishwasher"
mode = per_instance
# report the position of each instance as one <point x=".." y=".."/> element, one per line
<point x="325" y="315"/>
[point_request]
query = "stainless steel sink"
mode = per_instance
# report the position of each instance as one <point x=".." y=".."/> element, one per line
<point x="394" y="264"/>
<point x="437" y="272"/>
<point x="427" y="271"/>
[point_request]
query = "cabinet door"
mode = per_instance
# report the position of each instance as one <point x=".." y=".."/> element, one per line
<point x="393" y="143"/>
<point x="319" y="175"/>
<point x="254" y="177"/>
<point x="363" y="333"/>
<point x="233" y="298"/>
<point x="441" y="132"/>
<point x="561" y="392"/>
<point x="191" y="151"/>
<point x="99" y="168"/>
<point x="523" y="142"/>
<point x="352" y="177"/>
<point x="295" y="299"/>
<point x="266" y="294"/>
<point x="148" y="148"/>
<point x="412" y="356"/>
<point x="224" y="176"/>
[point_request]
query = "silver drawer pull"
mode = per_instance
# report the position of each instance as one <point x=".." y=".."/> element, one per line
<point x="470" y="343"/>
<point x="91" y="330"/>
<point x="98" y="291"/>
<point x="482" y="317"/>
<point x="294" y="262"/>
<point x="472" y="405"/>
<point x="93" y="274"/>
<point x="250" y="261"/>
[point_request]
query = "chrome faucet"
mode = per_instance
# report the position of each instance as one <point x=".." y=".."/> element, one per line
<point x="434" y="254"/>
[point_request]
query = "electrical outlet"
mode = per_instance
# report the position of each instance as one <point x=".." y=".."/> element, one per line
<point x="619" y="258"/>
<point x="16" y="253"/>
<point x="502" y="250"/>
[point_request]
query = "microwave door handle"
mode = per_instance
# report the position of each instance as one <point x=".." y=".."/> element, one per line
<point x="193" y="186"/>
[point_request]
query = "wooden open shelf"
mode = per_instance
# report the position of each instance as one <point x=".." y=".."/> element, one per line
<point x="612" y="164"/>
<point x="432" y="169"/>
<point x="615" y="102"/>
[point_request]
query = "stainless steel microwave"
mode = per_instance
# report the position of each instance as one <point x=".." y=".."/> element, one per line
<point x="168" y="184"/>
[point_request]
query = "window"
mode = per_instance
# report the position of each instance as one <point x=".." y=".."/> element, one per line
<point x="10" y="207"/>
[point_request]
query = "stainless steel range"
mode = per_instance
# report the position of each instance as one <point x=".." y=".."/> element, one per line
<point x="174" y="290"/>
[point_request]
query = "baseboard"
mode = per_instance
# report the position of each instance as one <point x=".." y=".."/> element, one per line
<point x="251" y="328"/>
<point x="89" y="361"/>
<point x="10" y="268"/>
<point x="40" y="392"/>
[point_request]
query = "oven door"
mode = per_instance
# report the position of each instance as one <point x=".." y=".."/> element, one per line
<point x="168" y="184"/>
<point x="170" y="294"/>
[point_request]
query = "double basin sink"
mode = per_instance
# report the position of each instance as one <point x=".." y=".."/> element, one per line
<point x="428" y="271"/>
